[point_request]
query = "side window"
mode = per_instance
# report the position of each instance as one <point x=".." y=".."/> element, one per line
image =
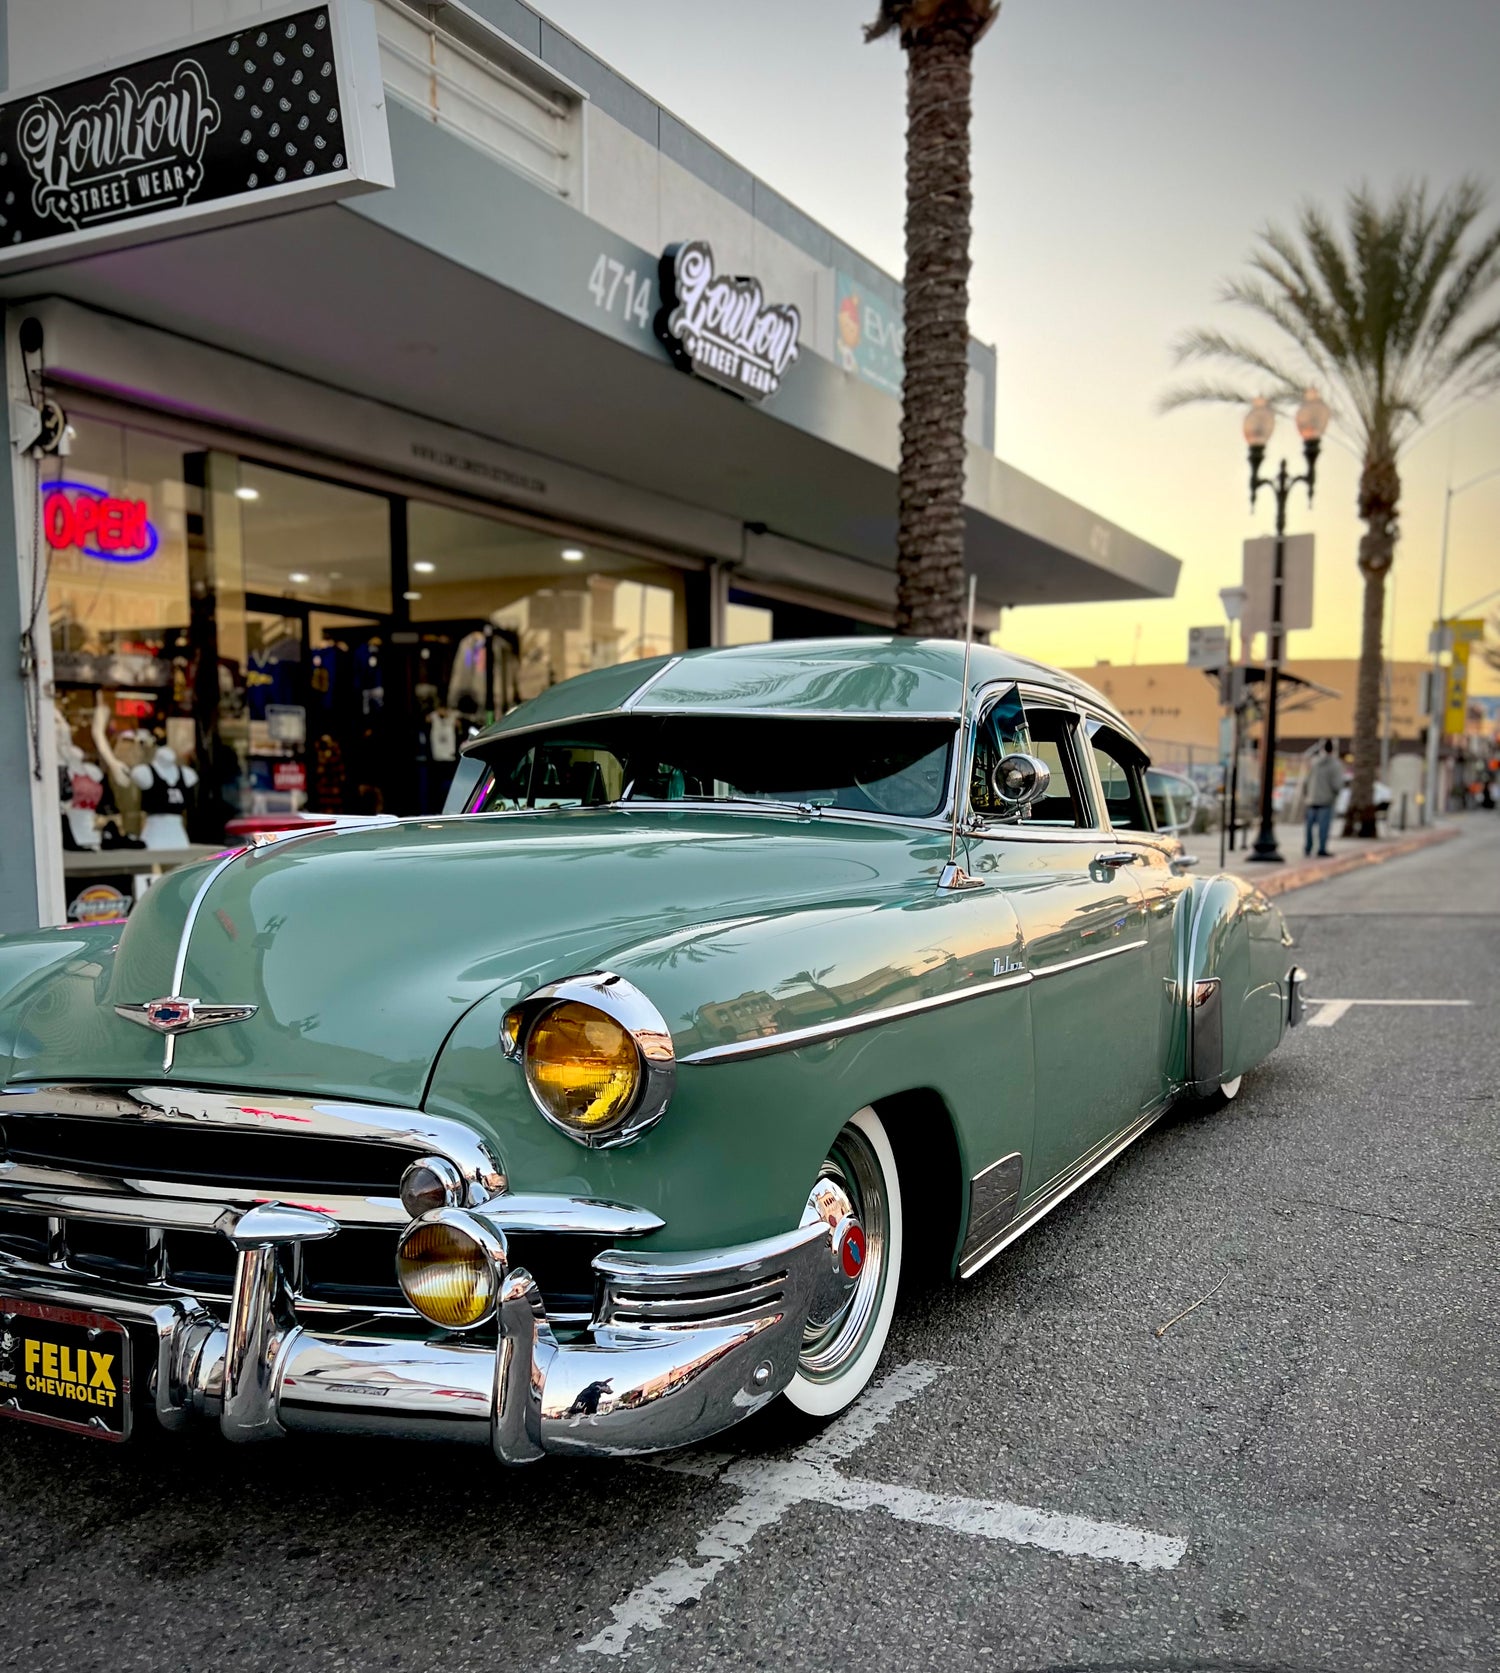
<point x="557" y="774"/>
<point x="1052" y="736"/>
<point x="1122" y="775"/>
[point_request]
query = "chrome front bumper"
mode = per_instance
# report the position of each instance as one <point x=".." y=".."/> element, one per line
<point x="673" y="1347"/>
<point x="681" y="1347"/>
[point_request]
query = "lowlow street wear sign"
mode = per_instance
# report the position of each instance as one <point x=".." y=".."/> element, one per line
<point x="721" y="327"/>
<point x="218" y="129"/>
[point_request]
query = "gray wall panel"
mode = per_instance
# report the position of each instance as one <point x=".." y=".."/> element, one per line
<point x="519" y="22"/>
<point x="772" y="210"/>
<point x="727" y="178"/>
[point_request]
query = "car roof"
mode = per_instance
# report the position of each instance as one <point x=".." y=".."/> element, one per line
<point x="852" y="678"/>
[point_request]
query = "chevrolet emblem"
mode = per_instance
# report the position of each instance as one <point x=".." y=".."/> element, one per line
<point x="175" y="1015"/>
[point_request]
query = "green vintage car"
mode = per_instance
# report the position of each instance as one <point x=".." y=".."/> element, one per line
<point x="612" y="1104"/>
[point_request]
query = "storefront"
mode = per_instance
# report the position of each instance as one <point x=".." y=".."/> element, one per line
<point x="403" y="363"/>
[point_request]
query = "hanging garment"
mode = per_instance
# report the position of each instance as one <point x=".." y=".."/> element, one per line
<point x="442" y="730"/>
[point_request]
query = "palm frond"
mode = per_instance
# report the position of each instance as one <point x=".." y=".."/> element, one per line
<point x="1195" y="394"/>
<point x="1384" y="309"/>
<point x="1193" y="346"/>
<point x="1286" y="315"/>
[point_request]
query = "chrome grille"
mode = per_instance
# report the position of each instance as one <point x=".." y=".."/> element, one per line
<point x="130" y="1185"/>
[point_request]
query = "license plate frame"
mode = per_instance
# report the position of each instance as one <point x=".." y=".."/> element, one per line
<point x="91" y="1348"/>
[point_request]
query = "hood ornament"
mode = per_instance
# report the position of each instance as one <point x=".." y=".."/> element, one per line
<point x="174" y="1015"/>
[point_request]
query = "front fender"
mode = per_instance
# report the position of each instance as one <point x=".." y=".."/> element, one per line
<point x="738" y="1148"/>
<point x="1234" y="940"/>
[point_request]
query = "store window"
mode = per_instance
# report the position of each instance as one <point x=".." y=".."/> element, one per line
<point x="121" y="537"/>
<point x="314" y="541"/>
<point x="524" y="609"/>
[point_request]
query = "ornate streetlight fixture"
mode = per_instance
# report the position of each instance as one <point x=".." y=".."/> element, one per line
<point x="1260" y="424"/>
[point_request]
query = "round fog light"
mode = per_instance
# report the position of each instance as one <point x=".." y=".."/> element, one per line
<point x="448" y="1274"/>
<point x="432" y="1182"/>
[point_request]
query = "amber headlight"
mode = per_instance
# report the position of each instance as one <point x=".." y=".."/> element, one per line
<point x="597" y="1057"/>
<point x="582" y="1067"/>
<point x="449" y="1271"/>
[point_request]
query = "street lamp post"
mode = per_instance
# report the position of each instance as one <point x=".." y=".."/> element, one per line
<point x="1435" y="718"/>
<point x="1260" y="423"/>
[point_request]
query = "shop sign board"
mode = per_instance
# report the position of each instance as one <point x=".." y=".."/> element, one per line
<point x="869" y="337"/>
<point x="109" y="527"/>
<point x="721" y="327"/>
<point x="1296" y="583"/>
<point x="290" y="107"/>
<point x="1456" y="696"/>
<point x="99" y="903"/>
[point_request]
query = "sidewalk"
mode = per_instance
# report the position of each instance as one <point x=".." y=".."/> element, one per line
<point x="1345" y="854"/>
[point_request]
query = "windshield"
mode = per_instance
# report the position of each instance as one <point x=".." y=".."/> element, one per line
<point x="896" y="767"/>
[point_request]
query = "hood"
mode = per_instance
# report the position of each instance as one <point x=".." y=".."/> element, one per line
<point x="361" y="949"/>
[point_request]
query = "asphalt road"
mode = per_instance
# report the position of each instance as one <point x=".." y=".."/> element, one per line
<point x="1311" y="1453"/>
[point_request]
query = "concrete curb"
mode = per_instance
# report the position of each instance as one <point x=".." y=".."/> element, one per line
<point x="1299" y="876"/>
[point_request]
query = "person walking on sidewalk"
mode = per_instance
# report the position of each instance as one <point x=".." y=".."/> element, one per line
<point x="1325" y="779"/>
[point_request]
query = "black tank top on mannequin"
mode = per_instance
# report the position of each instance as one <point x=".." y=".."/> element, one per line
<point x="162" y="797"/>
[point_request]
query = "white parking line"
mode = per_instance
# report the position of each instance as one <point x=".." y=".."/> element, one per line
<point x="1330" y="1010"/>
<point x="770" y="1487"/>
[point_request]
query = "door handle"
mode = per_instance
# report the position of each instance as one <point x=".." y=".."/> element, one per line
<point x="1117" y="857"/>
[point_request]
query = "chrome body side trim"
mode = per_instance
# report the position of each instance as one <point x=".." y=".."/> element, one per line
<point x="725" y="713"/>
<point x="1088" y="958"/>
<point x="1084" y="1171"/>
<point x="795" y="1037"/>
<point x="994" y="1196"/>
<point x="645" y="685"/>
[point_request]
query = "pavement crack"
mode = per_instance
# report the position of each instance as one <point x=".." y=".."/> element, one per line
<point x="1482" y="1234"/>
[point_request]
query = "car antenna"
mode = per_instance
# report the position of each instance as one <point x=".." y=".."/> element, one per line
<point x="953" y="875"/>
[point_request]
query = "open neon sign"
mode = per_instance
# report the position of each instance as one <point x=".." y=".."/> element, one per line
<point x="97" y="524"/>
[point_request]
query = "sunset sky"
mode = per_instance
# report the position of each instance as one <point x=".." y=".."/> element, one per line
<point x="1124" y="154"/>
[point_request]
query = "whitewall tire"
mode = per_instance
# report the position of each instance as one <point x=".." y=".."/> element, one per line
<point x="858" y="1193"/>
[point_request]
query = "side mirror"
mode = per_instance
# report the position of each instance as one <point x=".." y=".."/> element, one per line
<point x="1019" y="780"/>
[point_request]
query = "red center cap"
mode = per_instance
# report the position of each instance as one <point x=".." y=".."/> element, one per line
<point x="852" y="1252"/>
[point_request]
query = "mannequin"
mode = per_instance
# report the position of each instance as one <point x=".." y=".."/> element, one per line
<point x="82" y="788"/>
<point x="164" y="784"/>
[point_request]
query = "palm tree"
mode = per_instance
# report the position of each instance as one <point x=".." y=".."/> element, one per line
<point x="1382" y="314"/>
<point x="939" y="37"/>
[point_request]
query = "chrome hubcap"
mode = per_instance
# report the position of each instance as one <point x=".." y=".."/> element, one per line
<point x="850" y="1200"/>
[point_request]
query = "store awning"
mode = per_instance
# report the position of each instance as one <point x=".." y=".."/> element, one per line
<point x="463" y="296"/>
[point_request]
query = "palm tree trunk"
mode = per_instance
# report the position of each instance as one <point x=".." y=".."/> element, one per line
<point x="1379" y="497"/>
<point x="939" y="201"/>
